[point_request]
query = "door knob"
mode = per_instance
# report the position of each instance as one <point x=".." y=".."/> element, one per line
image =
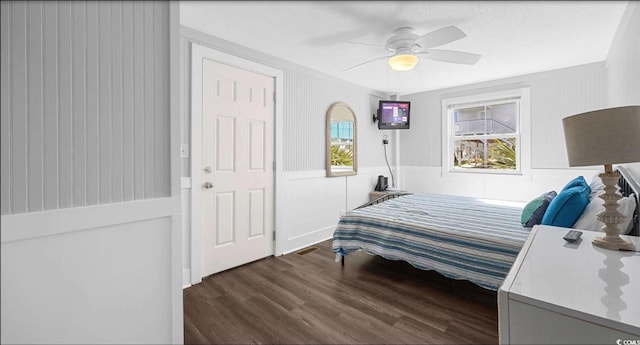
<point x="208" y="185"/>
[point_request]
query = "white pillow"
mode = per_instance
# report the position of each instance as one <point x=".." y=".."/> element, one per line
<point x="589" y="221"/>
<point x="596" y="186"/>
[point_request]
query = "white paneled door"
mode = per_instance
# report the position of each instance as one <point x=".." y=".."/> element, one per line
<point x="237" y="166"/>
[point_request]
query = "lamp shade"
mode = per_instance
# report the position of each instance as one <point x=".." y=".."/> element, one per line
<point x="402" y="62"/>
<point x="606" y="136"/>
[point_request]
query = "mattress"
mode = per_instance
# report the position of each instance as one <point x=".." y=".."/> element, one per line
<point x="458" y="236"/>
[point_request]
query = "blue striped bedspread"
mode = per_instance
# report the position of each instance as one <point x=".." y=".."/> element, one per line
<point x="460" y="237"/>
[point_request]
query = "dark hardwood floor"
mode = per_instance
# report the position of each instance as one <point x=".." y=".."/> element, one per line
<point x="311" y="299"/>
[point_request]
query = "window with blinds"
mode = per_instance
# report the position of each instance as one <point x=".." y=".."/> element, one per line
<point x="484" y="135"/>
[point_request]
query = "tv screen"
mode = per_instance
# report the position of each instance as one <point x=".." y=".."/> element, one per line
<point x="394" y="114"/>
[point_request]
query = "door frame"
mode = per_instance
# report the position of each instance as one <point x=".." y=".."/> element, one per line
<point x="199" y="52"/>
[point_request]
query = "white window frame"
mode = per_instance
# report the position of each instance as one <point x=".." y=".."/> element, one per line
<point x="523" y="149"/>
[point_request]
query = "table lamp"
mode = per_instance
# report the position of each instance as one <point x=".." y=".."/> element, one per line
<point x="607" y="136"/>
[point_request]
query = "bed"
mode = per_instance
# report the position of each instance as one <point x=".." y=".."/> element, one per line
<point x="460" y="237"/>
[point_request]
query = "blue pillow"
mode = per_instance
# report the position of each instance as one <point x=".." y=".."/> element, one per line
<point x="565" y="209"/>
<point x="533" y="212"/>
<point x="578" y="181"/>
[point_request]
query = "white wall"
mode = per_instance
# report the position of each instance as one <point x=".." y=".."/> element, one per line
<point x="91" y="243"/>
<point x="623" y="67"/>
<point x="311" y="202"/>
<point x="554" y="95"/>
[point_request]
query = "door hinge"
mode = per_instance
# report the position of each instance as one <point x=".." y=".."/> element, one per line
<point x="274" y="235"/>
<point x="274" y="165"/>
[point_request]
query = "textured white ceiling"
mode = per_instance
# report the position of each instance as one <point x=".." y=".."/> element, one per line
<point x="513" y="37"/>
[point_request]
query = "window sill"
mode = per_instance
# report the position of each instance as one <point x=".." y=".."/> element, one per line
<point x="485" y="172"/>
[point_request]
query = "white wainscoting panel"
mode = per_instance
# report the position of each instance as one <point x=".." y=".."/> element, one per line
<point x="98" y="274"/>
<point x="313" y="203"/>
<point x="496" y="186"/>
<point x="359" y="186"/>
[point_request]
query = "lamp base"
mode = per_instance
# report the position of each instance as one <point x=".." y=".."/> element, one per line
<point x="613" y="243"/>
<point x="610" y="216"/>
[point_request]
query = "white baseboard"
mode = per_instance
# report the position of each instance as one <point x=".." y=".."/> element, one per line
<point x="306" y="245"/>
<point x="310" y="238"/>
<point x="186" y="278"/>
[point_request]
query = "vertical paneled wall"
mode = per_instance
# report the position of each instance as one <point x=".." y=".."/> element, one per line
<point x="303" y="123"/>
<point x="307" y="99"/>
<point x="555" y="98"/>
<point x="85" y="103"/>
<point x="554" y="95"/>
<point x="623" y="78"/>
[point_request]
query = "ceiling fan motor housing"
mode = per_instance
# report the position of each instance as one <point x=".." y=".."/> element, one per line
<point x="403" y="40"/>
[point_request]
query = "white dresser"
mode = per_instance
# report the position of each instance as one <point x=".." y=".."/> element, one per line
<point x="570" y="293"/>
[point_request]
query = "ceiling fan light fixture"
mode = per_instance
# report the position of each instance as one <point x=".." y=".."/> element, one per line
<point x="403" y="62"/>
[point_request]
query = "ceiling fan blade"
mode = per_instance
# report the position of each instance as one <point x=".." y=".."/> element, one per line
<point x="440" y="37"/>
<point x="451" y="56"/>
<point x="366" y="44"/>
<point x="364" y="63"/>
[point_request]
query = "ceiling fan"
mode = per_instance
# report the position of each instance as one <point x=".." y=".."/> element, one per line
<point x="405" y="46"/>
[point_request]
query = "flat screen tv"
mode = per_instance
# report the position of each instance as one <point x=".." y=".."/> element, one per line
<point x="394" y="114"/>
